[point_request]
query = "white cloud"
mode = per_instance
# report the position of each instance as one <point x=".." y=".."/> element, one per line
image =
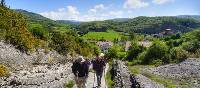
<point x="69" y="13"/>
<point x="92" y="10"/>
<point x="98" y="12"/>
<point x="72" y="10"/>
<point x="100" y="6"/>
<point x="102" y="16"/>
<point x="97" y="8"/>
<point x="116" y="14"/>
<point x="135" y="4"/>
<point x="161" y="1"/>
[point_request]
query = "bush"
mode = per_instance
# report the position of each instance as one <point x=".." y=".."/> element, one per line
<point x="96" y="50"/>
<point x="135" y="50"/>
<point x="3" y="71"/>
<point x="191" y="46"/>
<point x="14" y="26"/>
<point x="67" y="42"/>
<point x="139" y="59"/>
<point x="158" y="51"/>
<point x="39" y="31"/>
<point x="70" y="84"/>
<point x="198" y="53"/>
<point x="178" y="54"/>
<point x="114" y="52"/>
<point x="157" y="62"/>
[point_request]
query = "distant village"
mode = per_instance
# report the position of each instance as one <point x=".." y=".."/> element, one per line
<point x="106" y="45"/>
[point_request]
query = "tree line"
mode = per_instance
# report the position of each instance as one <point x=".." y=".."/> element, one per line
<point x="146" y="25"/>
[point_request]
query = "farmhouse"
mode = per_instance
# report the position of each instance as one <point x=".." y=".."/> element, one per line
<point x="104" y="45"/>
<point x="166" y="32"/>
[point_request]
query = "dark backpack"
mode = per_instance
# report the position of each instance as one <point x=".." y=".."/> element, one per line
<point x="98" y="65"/>
<point x="75" y="67"/>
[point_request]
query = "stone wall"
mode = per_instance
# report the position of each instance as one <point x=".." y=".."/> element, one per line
<point x="122" y="76"/>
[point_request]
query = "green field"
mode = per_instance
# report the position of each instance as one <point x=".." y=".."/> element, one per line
<point x="109" y="35"/>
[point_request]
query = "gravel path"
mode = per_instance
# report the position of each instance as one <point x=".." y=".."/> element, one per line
<point x="91" y="82"/>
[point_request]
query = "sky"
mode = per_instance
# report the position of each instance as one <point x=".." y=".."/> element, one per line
<point x="92" y="10"/>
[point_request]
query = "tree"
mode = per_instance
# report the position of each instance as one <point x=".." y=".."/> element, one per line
<point x="178" y="54"/>
<point x="135" y="50"/>
<point x="96" y="50"/>
<point x="158" y="51"/>
<point x="114" y="52"/>
<point x="3" y="3"/>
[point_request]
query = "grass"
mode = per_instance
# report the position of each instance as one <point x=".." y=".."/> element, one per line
<point x="3" y="71"/>
<point x="162" y="80"/>
<point x="69" y="84"/>
<point x="109" y="82"/>
<point x="136" y="69"/>
<point x="109" y="35"/>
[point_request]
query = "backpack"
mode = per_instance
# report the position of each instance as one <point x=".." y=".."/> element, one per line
<point x="75" y="67"/>
<point x="98" y="65"/>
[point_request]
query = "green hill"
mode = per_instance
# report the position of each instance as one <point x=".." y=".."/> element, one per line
<point x="34" y="18"/>
<point x="148" y="25"/>
<point x="37" y="18"/>
<point x="196" y="17"/>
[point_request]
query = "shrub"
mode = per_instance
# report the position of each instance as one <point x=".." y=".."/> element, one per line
<point x="39" y="31"/>
<point x="191" y="46"/>
<point x="135" y="50"/>
<point x="51" y="59"/>
<point x="157" y="62"/>
<point x="158" y="51"/>
<point x="3" y="71"/>
<point x="178" y="54"/>
<point x="114" y="52"/>
<point x="140" y="58"/>
<point x="14" y="26"/>
<point x="96" y="50"/>
<point x="198" y="53"/>
<point x="70" y="84"/>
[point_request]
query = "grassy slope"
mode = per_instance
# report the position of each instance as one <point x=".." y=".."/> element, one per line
<point x="109" y="35"/>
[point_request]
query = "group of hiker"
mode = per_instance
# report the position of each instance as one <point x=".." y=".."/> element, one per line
<point x="80" y="69"/>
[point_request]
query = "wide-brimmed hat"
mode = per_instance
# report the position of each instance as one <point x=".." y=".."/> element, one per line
<point x="101" y="55"/>
<point x="81" y="59"/>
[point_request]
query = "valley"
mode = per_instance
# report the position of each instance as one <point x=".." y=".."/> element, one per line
<point x="37" y="51"/>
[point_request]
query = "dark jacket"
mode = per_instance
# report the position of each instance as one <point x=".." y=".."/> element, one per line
<point x="98" y="65"/>
<point x="80" y="70"/>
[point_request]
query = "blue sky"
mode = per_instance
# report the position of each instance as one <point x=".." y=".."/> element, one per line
<point x="90" y="10"/>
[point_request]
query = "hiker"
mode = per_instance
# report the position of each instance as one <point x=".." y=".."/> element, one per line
<point x="98" y="67"/>
<point x="80" y="70"/>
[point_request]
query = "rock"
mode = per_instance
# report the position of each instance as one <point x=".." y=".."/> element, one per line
<point x="50" y="78"/>
<point x="15" y="82"/>
<point x="187" y="70"/>
<point x="121" y="75"/>
<point x="147" y="83"/>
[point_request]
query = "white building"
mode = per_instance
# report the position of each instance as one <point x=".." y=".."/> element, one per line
<point x="104" y="45"/>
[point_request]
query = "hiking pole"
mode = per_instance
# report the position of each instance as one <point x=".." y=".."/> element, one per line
<point x="105" y="76"/>
<point x="94" y="81"/>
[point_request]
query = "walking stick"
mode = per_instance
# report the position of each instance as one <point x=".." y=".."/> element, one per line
<point x="105" y="76"/>
<point x="94" y="81"/>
